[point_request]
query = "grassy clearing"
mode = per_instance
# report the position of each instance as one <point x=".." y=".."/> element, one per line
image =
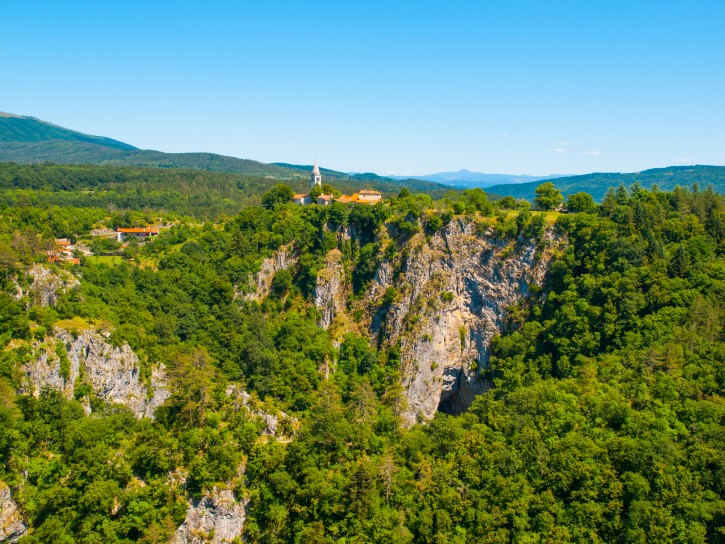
<point x="148" y="262"/>
<point x="549" y="217"/>
<point x="75" y="324"/>
<point x="111" y="260"/>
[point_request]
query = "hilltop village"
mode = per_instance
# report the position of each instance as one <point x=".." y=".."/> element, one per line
<point x="317" y="196"/>
<point x="113" y="243"/>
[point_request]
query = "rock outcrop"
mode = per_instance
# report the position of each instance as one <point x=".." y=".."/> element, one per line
<point x="112" y="373"/>
<point x="282" y="259"/>
<point x="453" y="292"/>
<point x="47" y="285"/>
<point x="272" y="422"/>
<point x="216" y="518"/>
<point x="12" y="525"/>
<point x="330" y="289"/>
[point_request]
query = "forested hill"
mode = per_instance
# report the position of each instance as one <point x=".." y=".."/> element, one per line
<point x="326" y="172"/>
<point x="281" y="350"/>
<point x="15" y="128"/>
<point x="196" y="193"/>
<point x="370" y="179"/>
<point x="597" y="184"/>
<point x="27" y="140"/>
<point x="30" y="140"/>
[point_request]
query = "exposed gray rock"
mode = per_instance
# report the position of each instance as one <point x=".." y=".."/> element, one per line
<point x="12" y="525"/>
<point x="282" y="259"/>
<point x="455" y="289"/>
<point x="214" y="519"/>
<point x="271" y="421"/>
<point x="18" y="294"/>
<point x="47" y="285"/>
<point x="111" y="372"/>
<point x="330" y="289"/>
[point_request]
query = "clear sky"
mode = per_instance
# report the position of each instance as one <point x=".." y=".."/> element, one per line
<point x="394" y="87"/>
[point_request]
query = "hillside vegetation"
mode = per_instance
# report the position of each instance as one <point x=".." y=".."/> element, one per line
<point x="195" y="193"/>
<point x="29" y="129"/>
<point x="597" y="185"/>
<point x="26" y="140"/>
<point x="603" y="422"/>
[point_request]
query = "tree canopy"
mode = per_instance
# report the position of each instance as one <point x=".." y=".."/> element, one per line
<point x="602" y="421"/>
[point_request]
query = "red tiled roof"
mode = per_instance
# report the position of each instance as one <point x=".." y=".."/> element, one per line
<point x="149" y="230"/>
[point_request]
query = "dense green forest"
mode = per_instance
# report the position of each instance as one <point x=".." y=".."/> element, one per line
<point x="604" y="422"/>
<point x="666" y="179"/>
<point x="195" y="193"/>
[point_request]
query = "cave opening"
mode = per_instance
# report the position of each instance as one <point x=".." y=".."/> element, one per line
<point x="453" y="400"/>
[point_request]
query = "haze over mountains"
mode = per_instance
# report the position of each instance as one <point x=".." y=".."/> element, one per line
<point x="597" y="184"/>
<point x="25" y="139"/>
<point x="466" y="178"/>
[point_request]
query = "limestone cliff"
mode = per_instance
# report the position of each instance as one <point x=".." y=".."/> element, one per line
<point x="282" y="259"/>
<point x="12" y="525"/>
<point x="112" y="373"/>
<point x="275" y="424"/>
<point x="330" y="290"/>
<point x="453" y="290"/>
<point x="219" y="516"/>
<point x="46" y="284"/>
<point x="216" y="518"/>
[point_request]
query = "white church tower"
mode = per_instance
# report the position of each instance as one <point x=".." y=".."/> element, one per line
<point x="315" y="177"/>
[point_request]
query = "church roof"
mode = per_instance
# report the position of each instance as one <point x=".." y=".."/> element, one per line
<point x="316" y="169"/>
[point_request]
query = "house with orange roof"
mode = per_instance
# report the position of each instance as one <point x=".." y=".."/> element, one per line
<point x="63" y="251"/>
<point x="140" y="233"/>
<point x="302" y="199"/>
<point x="370" y="197"/>
<point x="325" y="200"/>
<point x="365" y="196"/>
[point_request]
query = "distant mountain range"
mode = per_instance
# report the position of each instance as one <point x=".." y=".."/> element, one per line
<point x="27" y="140"/>
<point x="466" y="178"/>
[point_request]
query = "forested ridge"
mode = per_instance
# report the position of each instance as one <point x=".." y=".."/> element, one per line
<point x="195" y="193"/>
<point x="598" y="183"/>
<point x="604" y="422"/>
<point x="30" y="141"/>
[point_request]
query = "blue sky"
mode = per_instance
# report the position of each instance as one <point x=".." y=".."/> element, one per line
<point x="412" y="87"/>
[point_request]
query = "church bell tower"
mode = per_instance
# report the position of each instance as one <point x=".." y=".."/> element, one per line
<point x="315" y="177"/>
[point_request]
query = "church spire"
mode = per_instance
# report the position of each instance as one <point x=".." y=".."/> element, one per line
<point x="315" y="177"/>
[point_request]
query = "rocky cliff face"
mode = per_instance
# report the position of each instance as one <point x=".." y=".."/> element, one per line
<point x="214" y="519"/>
<point x="12" y="526"/>
<point x="274" y="423"/>
<point x="331" y="290"/>
<point x="47" y="285"/>
<point x="457" y="288"/>
<point x="283" y="259"/>
<point x="112" y="373"/>
<point x="218" y="516"/>
<point x="453" y="291"/>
